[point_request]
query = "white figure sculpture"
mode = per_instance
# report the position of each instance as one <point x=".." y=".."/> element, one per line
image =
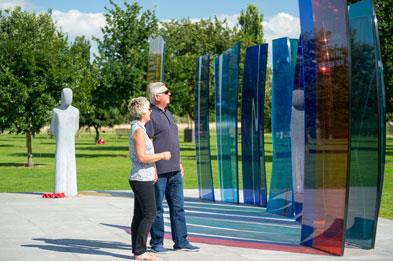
<point x="297" y="141"/>
<point x="64" y="125"/>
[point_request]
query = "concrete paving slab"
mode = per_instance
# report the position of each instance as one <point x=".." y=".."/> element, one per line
<point x="95" y="226"/>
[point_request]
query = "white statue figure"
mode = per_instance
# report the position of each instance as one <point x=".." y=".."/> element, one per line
<point x="64" y="125"/>
<point x="297" y="141"/>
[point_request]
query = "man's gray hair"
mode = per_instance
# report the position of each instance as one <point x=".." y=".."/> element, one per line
<point x="138" y="106"/>
<point x="154" y="89"/>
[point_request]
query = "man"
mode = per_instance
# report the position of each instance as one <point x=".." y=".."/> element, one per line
<point x="163" y="130"/>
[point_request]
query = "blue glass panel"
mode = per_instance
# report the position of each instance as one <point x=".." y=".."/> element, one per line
<point x="202" y="136"/>
<point x="155" y="67"/>
<point x="326" y="46"/>
<point x="226" y="78"/>
<point x="367" y="128"/>
<point x="297" y="132"/>
<point x="281" y="194"/>
<point x="253" y="94"/>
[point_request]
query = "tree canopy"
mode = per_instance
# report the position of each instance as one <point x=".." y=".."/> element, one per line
<point x="36" y="62"/>
<point x="121" y="62"/>
<point x="384" y="12"/>
<point x="185" y="41"/>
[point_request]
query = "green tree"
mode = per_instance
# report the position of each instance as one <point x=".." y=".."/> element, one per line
<point x="384" y="12"/>
<point x="185" y="41"/>
<point x="251" y="33"/>
<point x="122" y="62"/>
<point x="86" y="79"/>
<point x="35" y="64"/>
<point x="251" y="29"/>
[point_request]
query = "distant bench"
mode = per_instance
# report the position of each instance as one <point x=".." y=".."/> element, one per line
<point x="122" y="132"/>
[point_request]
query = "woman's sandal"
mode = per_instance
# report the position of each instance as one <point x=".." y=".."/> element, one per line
<point x="145" y="256"/>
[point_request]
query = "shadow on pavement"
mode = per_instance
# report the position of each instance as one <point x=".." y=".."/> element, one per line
<point x="81" y="246"/>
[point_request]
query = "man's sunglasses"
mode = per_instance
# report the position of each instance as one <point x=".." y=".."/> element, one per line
<point x="166" y="92"/>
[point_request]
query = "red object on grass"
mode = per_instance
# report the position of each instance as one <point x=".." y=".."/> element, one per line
<point x="53" y="195"/>
<point x="101" y="141"/>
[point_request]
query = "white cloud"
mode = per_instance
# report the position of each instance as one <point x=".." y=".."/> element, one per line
<point x="280" y="25"/>
<point x="76" y="23"/>
<point x="9" y="4"/>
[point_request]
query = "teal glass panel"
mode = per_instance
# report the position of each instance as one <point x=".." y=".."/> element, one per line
<point x="367" y="128"/>
<point x="297" y="133"/>
<point x="155" y="67"/>
<point x="281" y="193"/>
<point x="326" y="46"/>
<point x="202" y="136"/>
<point x="226" y="78"/>
<point x="294" y="43"/>
<point x="253" y="96"/>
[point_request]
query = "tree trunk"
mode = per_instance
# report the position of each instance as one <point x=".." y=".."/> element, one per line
<point x="29" y="145"/>
<point x="189" y="121"/>
<point x="97" y="133"/>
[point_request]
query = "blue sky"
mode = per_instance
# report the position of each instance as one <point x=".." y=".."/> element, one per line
<point x="85" y="17"/>
<point x="172" y="9"/>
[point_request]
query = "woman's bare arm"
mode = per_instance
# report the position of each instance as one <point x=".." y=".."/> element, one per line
<point x="140" y="149"/>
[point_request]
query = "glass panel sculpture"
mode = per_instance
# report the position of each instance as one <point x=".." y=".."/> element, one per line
<point x="281" y="194"/>
<point x="155" y="67"/>
<point x="253" y="95"/>
<point x="202" y="137"/>
<point x="226" y="78"/>
<point x="368" y="127"/>
<point x="326" y="46"/>
<point x="297" y="133"/>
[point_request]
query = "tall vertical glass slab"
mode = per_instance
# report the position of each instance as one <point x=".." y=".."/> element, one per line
<point x="202" y="136"/>
<point x="297" y="133"/>
<point x="368" y="127"/>
<point x="252" y="121"/>
<point x="155" y="67"/>
<point x="281" y="193"/>
<point x="326" y="46"/>
<point x="226" y="78"/>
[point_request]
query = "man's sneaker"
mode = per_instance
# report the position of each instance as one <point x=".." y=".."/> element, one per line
<point x="159" y="249"/>
<point x="189" y="248"/>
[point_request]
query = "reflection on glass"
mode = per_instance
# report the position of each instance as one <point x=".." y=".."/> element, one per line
<point x="155" y="67"/>
<point x="202" y="137"/>
<point x="367" y="129"/>
<point x="226" y="78"/>
<point x="297" y="133"/>
<point x="325" y="33"/>
<point x="281" y="194"/>
<point x="253" y="94"/>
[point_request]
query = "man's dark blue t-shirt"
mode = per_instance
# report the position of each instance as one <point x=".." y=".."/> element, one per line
<point x="163" y="130"/>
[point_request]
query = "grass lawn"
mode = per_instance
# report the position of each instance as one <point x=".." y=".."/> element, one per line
<point x="106" y="167"/>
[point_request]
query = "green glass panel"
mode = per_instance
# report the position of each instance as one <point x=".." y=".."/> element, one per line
<point x="202" y="136"/>
<point x="226" y="80"/>
<point x="367" y="128"/>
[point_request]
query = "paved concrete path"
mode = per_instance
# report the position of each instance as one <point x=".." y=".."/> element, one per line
<point x="93" y="226"/>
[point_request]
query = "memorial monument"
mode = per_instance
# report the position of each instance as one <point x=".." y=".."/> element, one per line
<point x="64" y="125"/>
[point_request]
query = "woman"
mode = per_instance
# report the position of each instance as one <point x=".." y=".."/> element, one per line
<point x="142" y="177"/>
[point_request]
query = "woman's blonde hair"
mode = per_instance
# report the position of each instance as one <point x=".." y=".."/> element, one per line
<point x="138" y="106"/>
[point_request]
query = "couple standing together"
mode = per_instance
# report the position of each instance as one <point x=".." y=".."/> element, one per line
<point x="156" y="172"/>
